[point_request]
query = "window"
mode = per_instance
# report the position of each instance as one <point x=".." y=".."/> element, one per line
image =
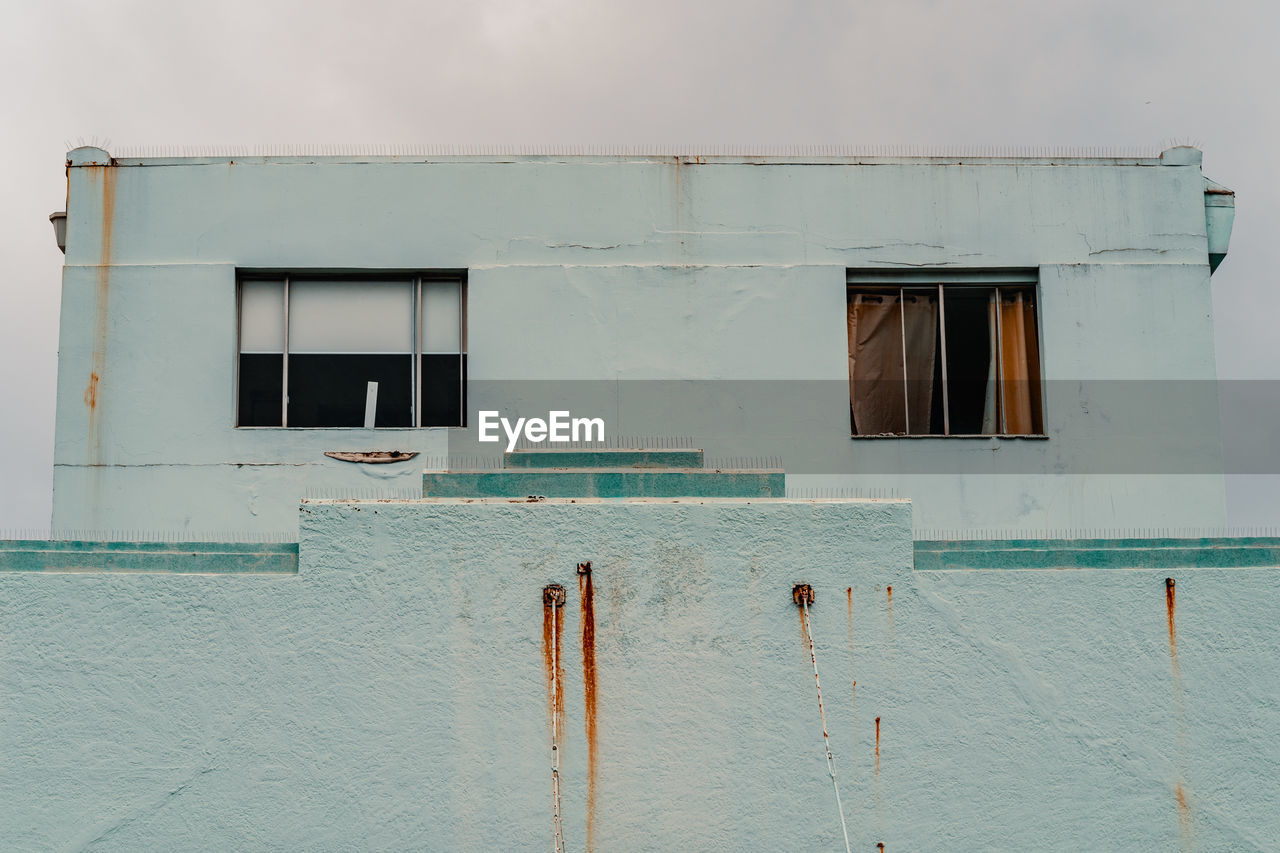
<point x="352" y="350"/>
<point x="943" y="353"/>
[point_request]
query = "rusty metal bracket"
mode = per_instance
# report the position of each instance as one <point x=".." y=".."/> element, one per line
<point x="802" y="594"/>
<point x="553" y="595"/>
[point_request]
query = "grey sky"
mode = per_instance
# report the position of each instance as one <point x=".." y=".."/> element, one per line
<point x="1010" y="72"/>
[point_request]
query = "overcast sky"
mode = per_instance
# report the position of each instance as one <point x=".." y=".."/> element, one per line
<point x="948" y="72"/>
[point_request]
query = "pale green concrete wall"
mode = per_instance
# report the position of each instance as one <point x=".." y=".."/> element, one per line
<point x="605" y="270"/>
<point x="391" y="695"/>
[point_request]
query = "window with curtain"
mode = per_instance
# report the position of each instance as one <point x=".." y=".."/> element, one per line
<point x="950" y="353"/>
<point x="351" y="350"/>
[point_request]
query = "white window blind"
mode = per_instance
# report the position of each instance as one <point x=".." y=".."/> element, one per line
<point x="350" y="317"/>
<point x="262" y="316"/>
<point x="441" y="317"/>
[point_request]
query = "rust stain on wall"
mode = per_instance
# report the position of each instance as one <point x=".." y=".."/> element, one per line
<point x="848" y="606"/>
<point x="804" y="629"/>
<point x="877" y="747"/>
<point x="848" y="597"/>
<point x="91" y="392"/>
<point x="587" y="598"/>
<point x="876" y="785"/>
<point x="106" y="176"/>
<point x="1186" y="840"/>
<point x="553" y="663"/>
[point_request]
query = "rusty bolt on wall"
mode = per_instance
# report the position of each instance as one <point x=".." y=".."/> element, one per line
<point x="802" y="594"/>
<point x="584" y="568"/>
<point x="553" y="595"/>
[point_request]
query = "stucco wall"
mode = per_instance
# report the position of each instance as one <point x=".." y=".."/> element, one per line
<point x="620" y="270"/>
<point x="392" y="694"/>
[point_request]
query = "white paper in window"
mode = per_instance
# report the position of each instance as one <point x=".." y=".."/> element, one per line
<point x="350" y="316"/>
<point x="262" y="316"/>
<point x="441" y="316"/>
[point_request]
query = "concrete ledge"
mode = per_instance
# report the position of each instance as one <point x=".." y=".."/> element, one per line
<point x="605" y="483"/>
<point x="1014" y="554"/>
<point x="214" y="558"/>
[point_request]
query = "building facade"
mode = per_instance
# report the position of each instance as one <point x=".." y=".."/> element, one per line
<point x="601" y="647"/>
<point x="1041" y="327"/>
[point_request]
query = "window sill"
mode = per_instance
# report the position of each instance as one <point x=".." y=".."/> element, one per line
<point x="1032" y="436"/>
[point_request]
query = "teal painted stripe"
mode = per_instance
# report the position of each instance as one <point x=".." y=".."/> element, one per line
<point x="38" y="555"/>
<point x="604" y="459"/>
<point x="1013" y="554"/>
<point x="606" y="483"/>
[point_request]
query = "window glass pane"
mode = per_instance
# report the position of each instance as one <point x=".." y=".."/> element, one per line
<point x="986" y="339"/>
<point x="349" y="317"/>
<point x="970" y="371"/>
<point x="329" y="390"/>
<point x="262" y="316"/>
<point x="261" y="389"/>
<point x="441" y="316"/>
<point x="443" y="390"/>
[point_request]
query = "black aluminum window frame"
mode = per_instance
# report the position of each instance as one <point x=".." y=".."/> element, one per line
<point x="415" y="278"/>
<point x="902" y="283"/>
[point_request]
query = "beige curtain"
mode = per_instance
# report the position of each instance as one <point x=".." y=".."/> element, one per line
<point x="1019" y="368"/>
<point x="879" y="399"/>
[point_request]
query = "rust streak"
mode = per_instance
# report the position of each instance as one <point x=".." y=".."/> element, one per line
<point x="848" y="598"/>
<point x="804" y="629"/>
<point x="91" y="391"/>
<point x="876" y="784"/>
<point x="1186" y="828"/>
<point x="552" y="627"/>
<point x="587" y="598"/>
<point x="98" y="359"/>
<point x="848" y="595"/>
<point x="877" y="746"/>
<point x="1184" y="819"/>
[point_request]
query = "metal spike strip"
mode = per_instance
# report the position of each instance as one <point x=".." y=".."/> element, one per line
<point x="173" y="536"/>
<point x="427" y="150"/>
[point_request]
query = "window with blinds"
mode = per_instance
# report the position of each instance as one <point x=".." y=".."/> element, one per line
<point x="351" y="350"/>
